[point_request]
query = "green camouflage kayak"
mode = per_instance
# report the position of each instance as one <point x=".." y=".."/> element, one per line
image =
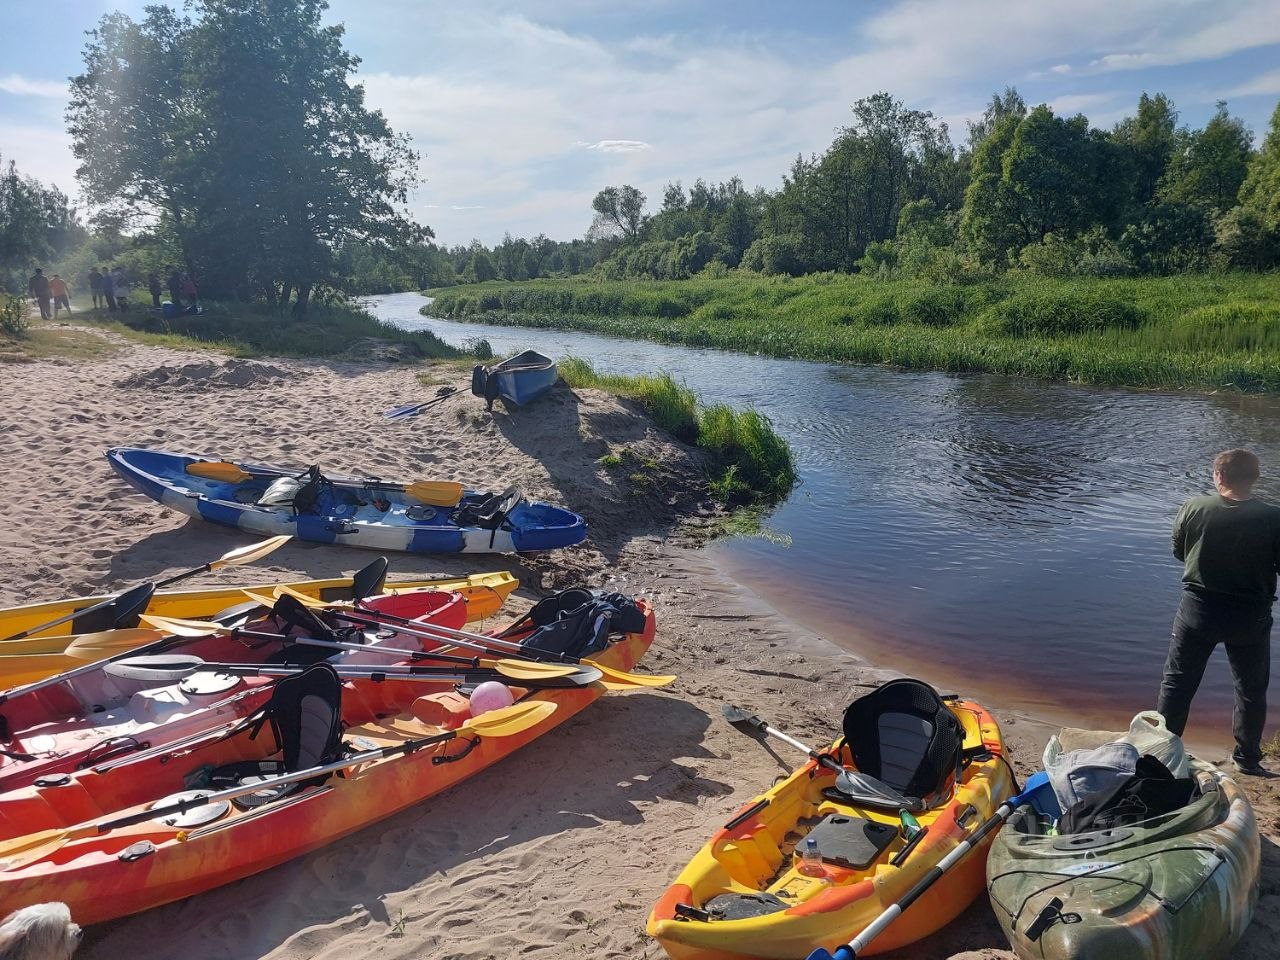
<point x="1178" y="887"/>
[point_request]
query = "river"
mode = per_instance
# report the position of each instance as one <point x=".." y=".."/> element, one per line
<point x="1000" y="536"/>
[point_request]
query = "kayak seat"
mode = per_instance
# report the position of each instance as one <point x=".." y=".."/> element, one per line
<point x="907" y="746"/>
<point x="305" y="713"/>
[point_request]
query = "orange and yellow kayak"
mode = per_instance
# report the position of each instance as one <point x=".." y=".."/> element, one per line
<point x="744" y="897"/>
<point x="121" y="871"/>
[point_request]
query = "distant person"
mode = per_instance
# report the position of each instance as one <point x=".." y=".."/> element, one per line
<point x="109" y="290"/>
<point x="189" y="291"/>
<point x="175" y="287"/>
<point x="1229" y="543"/>
<point x="95" y="288"/>
<point x="61" y="295"/>
<point x="154" y="288"/>
<point x="38" y="288"/>
<point x="121" y="284"/>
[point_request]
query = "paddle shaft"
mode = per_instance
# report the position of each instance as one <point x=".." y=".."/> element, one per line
<point x="471" y="641"/>
<point x="409" y="411"/>
<point x="80" y="613"/>
<point x="755" y="723"/>
<point x="183" y="576"/>
<point x="157" y="646"/>
<point x="182" y="806"/>
<point x="378" y="674"/>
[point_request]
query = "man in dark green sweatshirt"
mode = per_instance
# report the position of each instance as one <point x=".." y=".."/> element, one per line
<point x="1229" y="543"/>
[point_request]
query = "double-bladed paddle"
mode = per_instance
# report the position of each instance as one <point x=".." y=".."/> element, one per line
<point x="413" y="409"/>
<point x="132" y="602"/>
<point x="437" y="493"/>
<point x="514" y="669"/>
<point x="505" y="722"/>
<point x="471" y="641"/>
<point x="850" y="950"/>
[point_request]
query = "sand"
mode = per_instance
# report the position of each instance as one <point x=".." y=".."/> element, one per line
<point x="561" y="850"/>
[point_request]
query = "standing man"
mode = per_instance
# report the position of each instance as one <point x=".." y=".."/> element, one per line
<point x="95" y="287"/>
<point x="1229" y="543"/>
<point x="109" y="289"/>
<point x="175" y="287"/>
<point x="61" y="295"/>
<point x="38" y="288"/>
<point x="154" y="288"/>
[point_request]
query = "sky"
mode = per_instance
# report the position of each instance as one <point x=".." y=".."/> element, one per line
<point x="523" y="111"/>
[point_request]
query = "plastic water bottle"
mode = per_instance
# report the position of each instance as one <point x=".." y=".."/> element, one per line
<point x="811" y="859"/>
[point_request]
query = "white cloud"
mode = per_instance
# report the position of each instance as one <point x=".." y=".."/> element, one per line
<point x="20" y="86"/>
<point x="1072" y="104"/>
<point x="1265" y="84"/>
<point x="1061" y="68"/>
<point x="616" y="146"/>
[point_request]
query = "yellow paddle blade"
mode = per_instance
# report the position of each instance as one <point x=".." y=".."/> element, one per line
<point x="254" y="551"/>
<point x="529" y="669"/>
<point x="107" y="643"/>
<point x="218" y="470"/>
<point x="509" y="720"/>
<point x="285" y="590"/>
<point x="438" y="493"/>
<point x="184" y="628"/>
<point x="270" y="602"/>
<point x="33" y="846"/>
<point x="632" y="679"/>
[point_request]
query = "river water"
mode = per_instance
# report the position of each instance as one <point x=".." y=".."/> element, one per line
<point x="994" y="535"/>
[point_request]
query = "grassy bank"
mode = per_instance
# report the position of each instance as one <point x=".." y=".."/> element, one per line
<point x="1184" y="332"/>
<point x="254" y="330"/>
<point x="753" y="464"/>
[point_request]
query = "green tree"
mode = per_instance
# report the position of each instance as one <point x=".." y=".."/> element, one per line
<point x="619" y="212"/>
<point x="1260" y="192"/>
<point x="999" y="108"/>
<point x="37" y="225"/>
<point x="243" y="130"/>
<point x="1149" y="140"/>
<point x="1209" y="166"/>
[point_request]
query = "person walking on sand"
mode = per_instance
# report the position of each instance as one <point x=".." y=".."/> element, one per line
<point x="1229" y="543"/>
<point x="38" y="288"/>
<point x="61" y="295"/>
<point x="95" y="288"/>
<point x="153" y="287"/>
<point x="109" y="290"/>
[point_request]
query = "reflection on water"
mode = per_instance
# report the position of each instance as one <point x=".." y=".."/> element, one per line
<point x="999" y="535"/>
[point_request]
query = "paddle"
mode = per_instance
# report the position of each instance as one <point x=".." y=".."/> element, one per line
<point x="159" y="643"/>
<point x="121" y="607"/>
<point x="850" y="950"/>
<point x="137" y="598"/>
<point x="515" y="669"/>
<point x="473" y="641"/>
<point x="505" y="722"/>
<point x="437" y="493"/>
<point x="412" y="409"/>
<point x="752" y="725"/>
<point x="166" y="670"/>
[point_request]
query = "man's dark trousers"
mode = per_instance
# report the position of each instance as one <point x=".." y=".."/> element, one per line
<point x="1244" y="628"/>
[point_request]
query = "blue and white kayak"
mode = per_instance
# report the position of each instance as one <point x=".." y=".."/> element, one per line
<point x="519" y="380"/>
<point x="352" y="511"/>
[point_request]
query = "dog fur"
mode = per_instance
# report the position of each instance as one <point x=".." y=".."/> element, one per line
<point x="41" y="932"/>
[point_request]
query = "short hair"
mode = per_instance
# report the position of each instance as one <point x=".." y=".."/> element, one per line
<point x="1239" y="468"/>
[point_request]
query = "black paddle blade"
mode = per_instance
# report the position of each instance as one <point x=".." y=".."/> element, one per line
<point x="291" y="611"/>
<point x="746" y="722"/>
<point x="119" y="612"/>
<point x="368" y="581"/>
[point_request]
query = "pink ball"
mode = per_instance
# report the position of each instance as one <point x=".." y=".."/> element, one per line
<point x="490" y="695"/>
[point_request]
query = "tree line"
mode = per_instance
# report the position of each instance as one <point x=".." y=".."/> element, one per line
<point x="1028" y="189"/>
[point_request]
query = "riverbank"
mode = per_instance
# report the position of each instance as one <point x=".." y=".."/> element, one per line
<point x="561" y="850"/>
<point x="1191" y="332"/>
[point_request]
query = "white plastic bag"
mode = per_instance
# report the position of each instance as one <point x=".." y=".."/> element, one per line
<point x="1149" y="734"/>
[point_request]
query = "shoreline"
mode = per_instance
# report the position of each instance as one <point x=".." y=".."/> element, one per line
<point x="560" y="850"/>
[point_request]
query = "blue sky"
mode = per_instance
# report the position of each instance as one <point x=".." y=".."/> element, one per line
<point x="523" y="111"/>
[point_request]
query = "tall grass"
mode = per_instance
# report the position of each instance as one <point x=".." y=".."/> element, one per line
<point x="252" y="330"/>
<point x="1193" y="331"/>
<point x="753" y="463"/>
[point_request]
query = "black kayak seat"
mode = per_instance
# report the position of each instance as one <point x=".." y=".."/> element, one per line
<point x="906" y="743"/>
<point x="305" y="713"/>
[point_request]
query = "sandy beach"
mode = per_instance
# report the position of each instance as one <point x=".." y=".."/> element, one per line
<point x="560" y="851"/>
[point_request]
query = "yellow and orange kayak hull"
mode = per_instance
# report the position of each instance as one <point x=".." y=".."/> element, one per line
<point x="753" y="854"/>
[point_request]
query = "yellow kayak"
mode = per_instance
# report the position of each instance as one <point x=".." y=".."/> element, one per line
<point x="750" y="893"/>
<point x="40" y="656"/>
